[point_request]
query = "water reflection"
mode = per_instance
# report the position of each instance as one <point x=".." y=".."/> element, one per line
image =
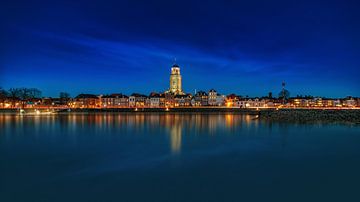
<point x="175" y="138"/>
<point x="172" y="125"/>
<point x="175" y="125"/>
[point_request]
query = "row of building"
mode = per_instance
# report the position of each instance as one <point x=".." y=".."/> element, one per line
<point x="201" y="99"/>
<point x="168" y="100"/>
<point x="154" y="100"/>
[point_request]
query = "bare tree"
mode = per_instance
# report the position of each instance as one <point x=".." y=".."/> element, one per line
<point x="3" y="94"/>
<point x="34" y="93"/>
<point x="14" y="95"/>
<point x="64" y="97"/>
<point x="23" y="95"/>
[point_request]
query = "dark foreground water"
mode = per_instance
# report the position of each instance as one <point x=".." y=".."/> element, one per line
<point x="174" y="157"/>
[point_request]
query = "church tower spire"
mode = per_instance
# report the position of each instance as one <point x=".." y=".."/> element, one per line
<point x="175" y="80"/>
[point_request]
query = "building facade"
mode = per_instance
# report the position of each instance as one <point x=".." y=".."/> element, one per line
<point x="212" y="97"/>
<point x="176" y="81"/>
<point x="216" y="99"/>
<point x="114" y="100"/>
<point x="86" y="101"/>
<point x="201" y="98"/>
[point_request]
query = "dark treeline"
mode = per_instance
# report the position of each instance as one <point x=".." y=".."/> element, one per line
<point x="20" y="94"/>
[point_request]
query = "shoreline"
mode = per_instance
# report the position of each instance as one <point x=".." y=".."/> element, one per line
<point x="142" y="110"/>
<point x="281" y="115"/>
<point x="351" y="116"/>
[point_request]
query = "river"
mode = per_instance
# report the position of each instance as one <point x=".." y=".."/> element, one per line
<point x="175" y="157"/>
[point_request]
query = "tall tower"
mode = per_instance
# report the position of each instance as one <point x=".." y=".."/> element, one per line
<point x="175" y="80"/>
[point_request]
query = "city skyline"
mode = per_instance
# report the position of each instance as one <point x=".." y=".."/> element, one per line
<point x="174" y="88"/>
<point x="128" y="47"/>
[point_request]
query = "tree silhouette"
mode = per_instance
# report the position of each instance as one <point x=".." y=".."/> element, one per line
<point x="3" y="94"/>
<point x="23" y="94"/>
<point x="64" y="97"/>
<point x="284" y="95"/>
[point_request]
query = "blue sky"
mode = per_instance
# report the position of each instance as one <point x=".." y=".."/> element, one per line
<point x="245" y="47"/>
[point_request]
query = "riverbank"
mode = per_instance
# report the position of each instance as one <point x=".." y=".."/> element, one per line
<point x="143" y="110"/>
<point x="281" y="115"/>
<point x="312" y="115"/>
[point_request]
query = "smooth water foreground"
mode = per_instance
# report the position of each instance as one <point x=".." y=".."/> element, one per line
<point x="175" y="157"/>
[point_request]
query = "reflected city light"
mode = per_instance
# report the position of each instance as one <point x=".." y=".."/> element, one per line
<point x="171" y="125"/>
<point x="175" y="139"/>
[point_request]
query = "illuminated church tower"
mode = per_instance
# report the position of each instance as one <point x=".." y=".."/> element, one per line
<point x="175" y="80"/>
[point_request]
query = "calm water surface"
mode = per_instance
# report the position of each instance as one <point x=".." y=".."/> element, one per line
<point x="175" y="157"/>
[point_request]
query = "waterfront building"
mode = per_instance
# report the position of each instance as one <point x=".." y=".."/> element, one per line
<point x="139" y="100"/>
<point x="269" y="103"/>
<point x="86" y="101"/>
<point x="154" y="99"/>
<point x="216" y="99"/>
<point x="107" y="101"/>
<point x="241" y="102"/>
<point x="220" y="100"/>
<point x="232" y="100"/>
<point x="10" y="103"/>
<point x="123" y="100"/>
<point x="328" y="103"/>
<point x="132" y="102"/>
<point x="50" y="102"/>
<point x="169" y="99"/>
<point x="250" y="103"/>
<point x="6" y="102"/>
<point x="299" y="102"/>
<point x="183" y="100"/>
<point x="337" y="103"/>
<point x="349" y="102"/>
<point x="162" y="100"/>
<point x="114" y="100"/>
<point x="212" y="97"/>
<point x="33" y="102"/>
<point x="200" y="99"/>
<point x="318" y="102"/>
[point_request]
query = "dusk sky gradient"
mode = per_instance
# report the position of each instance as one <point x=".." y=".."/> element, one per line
<point x="243" y="47"/>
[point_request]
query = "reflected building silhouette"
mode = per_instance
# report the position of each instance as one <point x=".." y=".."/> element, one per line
<point x="174" y="123"/>
<point x="175" y="138"/>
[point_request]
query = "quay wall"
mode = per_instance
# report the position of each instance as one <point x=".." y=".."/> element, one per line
<point x="312" y="115"/>
<point x="144" y="110"/>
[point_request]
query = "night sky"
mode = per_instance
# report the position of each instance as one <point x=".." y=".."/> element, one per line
<point x="245" y="47"/>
